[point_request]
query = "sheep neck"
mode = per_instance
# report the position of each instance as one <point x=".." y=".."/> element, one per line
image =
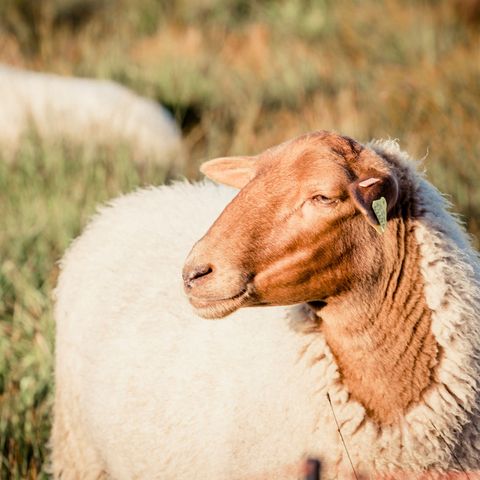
<point x="384" y="348"/>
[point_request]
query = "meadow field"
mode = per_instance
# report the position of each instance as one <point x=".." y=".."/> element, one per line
<point x="239" y="77"/>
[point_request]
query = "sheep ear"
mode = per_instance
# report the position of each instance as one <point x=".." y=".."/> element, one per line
<point x="370" y="188"/>
<point x="233" y="171"/>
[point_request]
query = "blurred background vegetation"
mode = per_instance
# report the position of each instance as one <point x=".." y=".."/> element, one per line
<point x="238" y="76"/>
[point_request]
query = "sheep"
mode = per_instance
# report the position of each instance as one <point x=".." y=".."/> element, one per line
<point x="84" y="110"/>
<point x="371" y="334"/>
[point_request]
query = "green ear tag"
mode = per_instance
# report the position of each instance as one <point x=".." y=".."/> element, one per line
<point x="380" y="208"/>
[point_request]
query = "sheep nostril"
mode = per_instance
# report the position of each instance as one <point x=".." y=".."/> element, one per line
<point x="191" y="276"/>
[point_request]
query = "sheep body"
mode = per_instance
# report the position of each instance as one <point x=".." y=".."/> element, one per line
<point x="84" y="110"/>
<point x="145" y="389"/>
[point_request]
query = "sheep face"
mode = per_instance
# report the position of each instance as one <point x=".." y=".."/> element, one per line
<point x="299" y="230"/>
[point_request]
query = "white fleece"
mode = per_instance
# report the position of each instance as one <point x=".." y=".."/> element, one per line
<point x="84" y="111"/>
<point x="159" y="393"/>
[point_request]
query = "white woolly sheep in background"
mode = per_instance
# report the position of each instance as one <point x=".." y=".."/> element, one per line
<point x="85" y="110"/>
<point x="387" y="325"/>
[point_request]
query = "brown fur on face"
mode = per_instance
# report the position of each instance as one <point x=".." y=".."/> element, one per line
<point x="289" y="230"/>
<point x="300" y="230"/>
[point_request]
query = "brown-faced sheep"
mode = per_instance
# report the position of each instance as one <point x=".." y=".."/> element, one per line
<point x="386" y="325"/>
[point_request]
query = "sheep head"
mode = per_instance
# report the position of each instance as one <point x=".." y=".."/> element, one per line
<point x="300" y="229"/>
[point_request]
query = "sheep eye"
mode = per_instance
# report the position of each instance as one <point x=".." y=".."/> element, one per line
<point x="323" y="200"/>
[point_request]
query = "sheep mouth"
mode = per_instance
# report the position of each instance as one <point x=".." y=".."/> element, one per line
<point x="219" y="308"/>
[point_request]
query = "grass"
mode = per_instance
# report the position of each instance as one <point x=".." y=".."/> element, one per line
<point x="239" y="76"/>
